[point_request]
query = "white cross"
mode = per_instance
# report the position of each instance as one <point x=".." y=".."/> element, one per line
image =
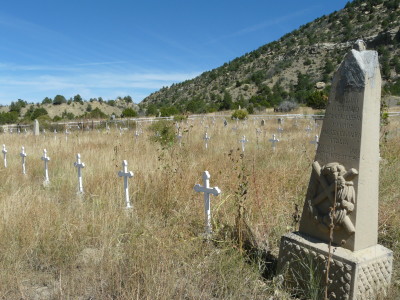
<point x="280" y="130"/>
<point x="207" y="191"/>
<point x="243" y="141"/>
<point x="66" y="134"/>
<point x="46" y="159"/>
<point x="5" y="155"/>
<point x="308" y="129"/>
<point x="23" y="156"/>
<point x="78" y="164"/>
<point x="179" y="137"/>
<point x="316" y="141"/>
<point x="206" y="138"/>
<point x="273" y="141"/>
<point x="126" y="174"/>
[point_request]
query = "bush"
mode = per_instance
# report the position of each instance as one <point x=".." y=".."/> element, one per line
<point x="317" y="100"/>
<point x="96" y="113"/>
<point x="166" y="132"/>
<point x="239" y="114"/>
<point x="129" y="112"/>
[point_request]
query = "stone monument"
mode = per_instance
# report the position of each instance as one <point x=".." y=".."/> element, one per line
<point x="339" y="225"/>
<point x="36" y="127"/>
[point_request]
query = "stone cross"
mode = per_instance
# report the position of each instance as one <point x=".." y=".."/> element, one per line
<point x="4" y="155"/>
<point x="315" y="141"/>
<point x="46" y="160"/>
<point x="23" y="156"/>
<point x="243" y="141"/>
<point x="126" y="174"/>
<point x="339" y="223"/>
<point x="273" y="141"/>
<point x="207" y="207"/>
<point x="79" y="165"/>
<point x="206" y="138"/>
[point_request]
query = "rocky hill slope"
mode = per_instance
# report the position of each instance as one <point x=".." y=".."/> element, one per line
<point x="297" y="67"/>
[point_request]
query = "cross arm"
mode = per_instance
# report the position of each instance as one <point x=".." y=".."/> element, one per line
<point x="215" y="191"/>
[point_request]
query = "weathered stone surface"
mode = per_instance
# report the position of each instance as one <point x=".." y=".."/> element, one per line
<point x="36" y="130"/>
<point x="341" y="205"/>
<point x="349" y="151"/>
<point x="353" y="275"/>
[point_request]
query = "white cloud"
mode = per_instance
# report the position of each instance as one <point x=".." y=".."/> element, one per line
<point x="34" y="87"/>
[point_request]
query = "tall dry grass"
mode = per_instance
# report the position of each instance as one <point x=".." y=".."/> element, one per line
<point x="55" y="244"/>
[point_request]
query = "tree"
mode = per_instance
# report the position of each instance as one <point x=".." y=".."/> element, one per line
<point x="59" y="99"/>
<point x="128" y="99"/>
<point x="317" y="100"/>
<point x="129" y="112"/>
<point x="38" y="112"/>
<point x="78" y="98"/>
<point x="227" y="101"/>
<point x="47" y="100"/>
<point x="151" y="110"/>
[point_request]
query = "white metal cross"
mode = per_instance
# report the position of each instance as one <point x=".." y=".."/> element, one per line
<point x="315" y="142"/>
<point x="79" y="165"/>
<point x="206" y="138"/>
<point x="46" y="159"/>
<point x="308" y="129"/>
<point x="66" y="134"/>
<point x="126" y="174"/>
<point x="280" y="130"/>
<point x="4" y="155"/>
<point x="273" y="141"/>
<point x="207" y="191"/>
<point x="179" y="137"/>
<point x="243" y="141"/>
<point x="23" y="156"/>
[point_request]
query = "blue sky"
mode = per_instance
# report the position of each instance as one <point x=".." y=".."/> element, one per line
<point x="117" y="48"/>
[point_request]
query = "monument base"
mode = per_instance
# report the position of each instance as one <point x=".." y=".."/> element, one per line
<point x="352" y="276"/>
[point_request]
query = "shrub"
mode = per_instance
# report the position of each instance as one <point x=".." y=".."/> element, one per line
<point x="163" y="132"/>
<point x="317" y="100"/>
<point x="129" y="112"/>
<point x="239" y="114"/>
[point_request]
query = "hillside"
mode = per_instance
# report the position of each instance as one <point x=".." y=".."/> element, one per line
<point x="50" y="110"/>
<point x="298" y="67"/>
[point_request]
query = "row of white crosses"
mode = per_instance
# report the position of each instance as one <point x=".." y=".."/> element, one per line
<point x="22" y="154"/>
<point x="79" y="165"/>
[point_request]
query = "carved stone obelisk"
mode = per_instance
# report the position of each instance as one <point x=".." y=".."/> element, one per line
<point x="341" y="205"/>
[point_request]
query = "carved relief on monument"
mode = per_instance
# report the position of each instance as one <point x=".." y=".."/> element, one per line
<point x="332" y="186"/>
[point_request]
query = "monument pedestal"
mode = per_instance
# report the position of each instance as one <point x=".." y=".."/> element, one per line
<point x="353" y="275"/>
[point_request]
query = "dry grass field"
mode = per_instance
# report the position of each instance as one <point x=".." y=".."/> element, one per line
<point x="55" y="244"/>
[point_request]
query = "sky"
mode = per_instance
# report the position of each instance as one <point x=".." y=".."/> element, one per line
<point x="104" y="48"/>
